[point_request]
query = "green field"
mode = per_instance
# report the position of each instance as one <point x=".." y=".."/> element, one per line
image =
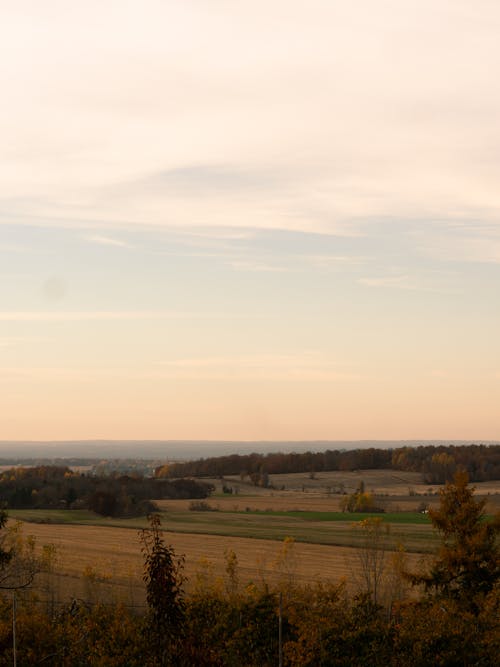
<point x="74" y="517"/>
<point x="389" y="517"/>
<point x="410" y="529"/>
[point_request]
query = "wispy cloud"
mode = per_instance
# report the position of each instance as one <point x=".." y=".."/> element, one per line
<point x="106" y="240"/>
<point x="380" y="125"/>
<point x="286" y="262"/>
<point x="483" y="247"/>
<point x="438" y="282"/>
<point x="258" y="267"/>
<point x="403" y="282"/>
<point x="226" y="234"/>
<point x="210" y="178"/>
<point x="325" y="262"/>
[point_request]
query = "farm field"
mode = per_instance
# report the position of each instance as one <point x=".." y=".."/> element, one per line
<point x="99" y="561"/>
<point x="398" y="490"/>
<point x="97" y="555"/>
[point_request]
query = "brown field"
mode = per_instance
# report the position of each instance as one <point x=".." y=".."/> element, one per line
<point x="399" y="490"/>
<point x="295" y="501"/>
<point x="105" y="560"/>
<point x="112" y="560"/>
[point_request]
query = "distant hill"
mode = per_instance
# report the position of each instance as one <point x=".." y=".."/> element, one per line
<point x="194" y="449"/>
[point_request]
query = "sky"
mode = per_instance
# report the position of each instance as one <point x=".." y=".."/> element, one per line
<point x="234" y="220"/>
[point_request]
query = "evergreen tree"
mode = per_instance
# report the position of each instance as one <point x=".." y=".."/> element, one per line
<point x="467" y="564"/>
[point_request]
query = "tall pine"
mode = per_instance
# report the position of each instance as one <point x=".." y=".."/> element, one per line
<point x="467" y="565"/>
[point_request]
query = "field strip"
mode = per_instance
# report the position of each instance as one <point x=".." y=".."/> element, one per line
<point x="116" y="552"/>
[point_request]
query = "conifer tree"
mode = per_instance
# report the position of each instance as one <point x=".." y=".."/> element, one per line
<point x="467" y="564"/>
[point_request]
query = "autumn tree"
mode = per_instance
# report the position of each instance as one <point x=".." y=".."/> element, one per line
<point x="5" y="553"/>
<point x="163" y="578"/>
<point x="19" y="559"/>
<point x="468" y="561"/>
<point x="359" y="501"/>
<point x="371" y="556"/>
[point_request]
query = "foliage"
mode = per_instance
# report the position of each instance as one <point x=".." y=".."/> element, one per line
<point x="76" y="635"/>
<point x="468" y="562"/>
<point x="322" y="625"/>
<point x="285" y="566"/>
<point x="360" y="501"/>
<point x="446" y="634"/>
<point x="436" y="463"/>
<point x="371" y="555"/>
<point x="23" y="563"/>
<point x="201" y="506"/>
<point x="5" y="551"/>
<point x="163" y="578"/>
<point x="225" y="622"/>
<point x="328" y="628"/>
<point x="233" y="628"/>
<point x="119" y="505"/>
<point x="57" y="487"/>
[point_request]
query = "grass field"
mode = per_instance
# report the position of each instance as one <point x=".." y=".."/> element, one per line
<point x="97" y="555"/>
<point x="387" y="517"/>
<point x="99" y="561"/>
<point x="328" y="528"/>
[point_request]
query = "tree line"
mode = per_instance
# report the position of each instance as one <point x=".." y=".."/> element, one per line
<point x="449" y="618"/>
<point x="437" y="464"/>
<point x="58" y="487"/>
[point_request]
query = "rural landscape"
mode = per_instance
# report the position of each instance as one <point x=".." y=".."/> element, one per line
<point x="249" y="333"/>
<point x="257" y="547"/>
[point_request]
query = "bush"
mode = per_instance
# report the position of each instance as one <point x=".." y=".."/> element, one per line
<point x="201" y="506"/>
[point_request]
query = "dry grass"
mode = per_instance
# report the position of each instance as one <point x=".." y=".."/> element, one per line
<point x="113" y="561"/>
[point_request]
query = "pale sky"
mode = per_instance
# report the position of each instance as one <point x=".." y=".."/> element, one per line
<point x="250" y="220"/>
